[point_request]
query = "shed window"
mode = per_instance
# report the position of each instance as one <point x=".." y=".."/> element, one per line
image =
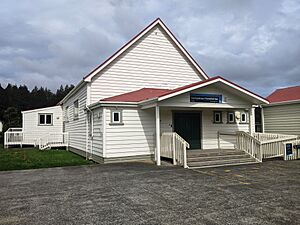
<point x="45" y="119"/>
<point x="217" y="117"/>
<point x="76" y="110"/>
<point x="230" y="117"/>
<point x="116" y="117"/>
<point x="243" y="117"/>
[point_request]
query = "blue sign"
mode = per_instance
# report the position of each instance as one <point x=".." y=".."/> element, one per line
<point x="210" y="98"/>
<point x="289" y="149"/>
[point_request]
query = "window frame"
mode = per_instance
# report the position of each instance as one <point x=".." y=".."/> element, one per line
<point x="246" y="118"/>
<point x="45" y="119"/>
<point x="221" y="117"/>
<point x="120" y="121"/>
<point x="228" y="117"/>
<point x="76" y="110"/>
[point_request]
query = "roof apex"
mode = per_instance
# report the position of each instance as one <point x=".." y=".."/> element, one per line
<point x="157" y="21"/>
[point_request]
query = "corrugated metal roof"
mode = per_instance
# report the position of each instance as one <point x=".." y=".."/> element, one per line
<point x="285" y="94"/>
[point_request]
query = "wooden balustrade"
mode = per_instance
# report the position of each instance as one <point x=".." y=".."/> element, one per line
<point x="173" y="146"/>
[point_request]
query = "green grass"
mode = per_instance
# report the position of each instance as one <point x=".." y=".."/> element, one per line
<point x="31" y="158"/>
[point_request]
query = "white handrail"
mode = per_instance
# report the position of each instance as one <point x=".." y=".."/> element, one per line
<point x="13" y="137"/>
<point x="263" y="145"/>
<point x="249" y="144"/>
<point x="173" y="146"/>
<point x="54" y="139"/>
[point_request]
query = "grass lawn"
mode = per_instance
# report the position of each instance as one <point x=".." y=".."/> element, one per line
<point x="32" y="158"/>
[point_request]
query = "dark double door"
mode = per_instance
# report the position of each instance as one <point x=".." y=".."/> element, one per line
<point x="188" y="126"/>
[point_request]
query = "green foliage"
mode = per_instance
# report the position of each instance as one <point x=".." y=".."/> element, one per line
<point x="18" y="159"/>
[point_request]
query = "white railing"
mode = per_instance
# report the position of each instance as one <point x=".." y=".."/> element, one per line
<point x="13" y="136"/>
<point x="263" y="145"/>
<point x="54" y="140"/>
<point x="271" y="136"/>
<point x="249" y="144"/>
<point x="173" y="146"/>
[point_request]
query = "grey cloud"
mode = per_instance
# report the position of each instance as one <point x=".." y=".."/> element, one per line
<point x="254" y="43"/>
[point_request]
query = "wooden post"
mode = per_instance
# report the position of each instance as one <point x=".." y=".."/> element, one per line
<point x="262" y="120"/>
<point x="219" y="144"/>
<point x="157" y="125"/>
<point x="184" y="156"/>
<point x="173" y="146"/>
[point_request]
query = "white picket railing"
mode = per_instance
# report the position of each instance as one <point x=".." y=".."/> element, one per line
<point x="263" y="145"/>
<point x="249" y="144"/>
<point x="271" y="136"/>
<point x="54" y="140"/>
<point x="13" y="136"/>
<point x="173" y="146"/>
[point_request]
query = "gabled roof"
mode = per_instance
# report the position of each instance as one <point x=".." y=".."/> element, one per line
<point x="159" y="22"/>
<point x="285" y="95"/>
<point x="148" y="94"/>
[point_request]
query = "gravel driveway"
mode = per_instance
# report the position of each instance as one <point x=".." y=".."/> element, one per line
<point x="142" y="193"/>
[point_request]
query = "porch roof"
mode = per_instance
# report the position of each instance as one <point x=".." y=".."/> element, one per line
<point x="146" y="95"/>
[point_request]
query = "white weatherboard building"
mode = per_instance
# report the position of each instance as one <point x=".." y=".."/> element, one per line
<point x="151" y="100"/>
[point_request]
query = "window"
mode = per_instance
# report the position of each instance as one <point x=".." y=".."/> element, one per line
<point x="230" y="117"/>
<point x="116" y="117"/>
<point x="76" y="110"/>
<point x="243" y="117"/>
<point x="67" y="114"/>
<point x="45" y="119"/>
<point x="217" y="117"/>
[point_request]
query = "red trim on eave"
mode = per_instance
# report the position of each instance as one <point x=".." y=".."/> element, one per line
<point x="184" y="49"/>
<point x="211" y="79"/>
<point x="245" y="89"/>
<point x="132" y="39"/>
<point x="191" y="85"/>
<point x="120" y="49"/>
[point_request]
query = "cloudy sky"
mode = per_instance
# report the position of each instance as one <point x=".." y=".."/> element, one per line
<point x="53" y="42"/>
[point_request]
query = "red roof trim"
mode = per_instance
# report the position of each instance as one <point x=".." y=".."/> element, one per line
<point x="184" y="49"/>
<point x="132" y="39"/>
<point x="120" y="49"/>
<point x="152" y="93"/>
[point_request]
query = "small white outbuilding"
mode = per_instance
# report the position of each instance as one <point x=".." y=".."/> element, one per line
<point x="38" y="123"/>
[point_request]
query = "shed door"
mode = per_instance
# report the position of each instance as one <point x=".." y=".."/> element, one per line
<point x="188" y="126"/>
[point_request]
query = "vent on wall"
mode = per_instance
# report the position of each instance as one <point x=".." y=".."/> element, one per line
<point x="225" y="99"/>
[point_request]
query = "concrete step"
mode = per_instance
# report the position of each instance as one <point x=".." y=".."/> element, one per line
<point x="222" y="165"/>
<point x="221" y="162"/>
<point x="241" y="155"/>
<point x="207" y="153"/>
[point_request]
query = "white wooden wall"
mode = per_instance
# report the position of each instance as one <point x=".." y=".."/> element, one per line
<point x="282" y="119"/>
<point x="135" y="137"/>
<point x="210" y="130"/>
<point x="31" y="128"/>
<point x="153" y="61"/>
<point x="76" y="127"/>
<point x="98" y="132"/>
